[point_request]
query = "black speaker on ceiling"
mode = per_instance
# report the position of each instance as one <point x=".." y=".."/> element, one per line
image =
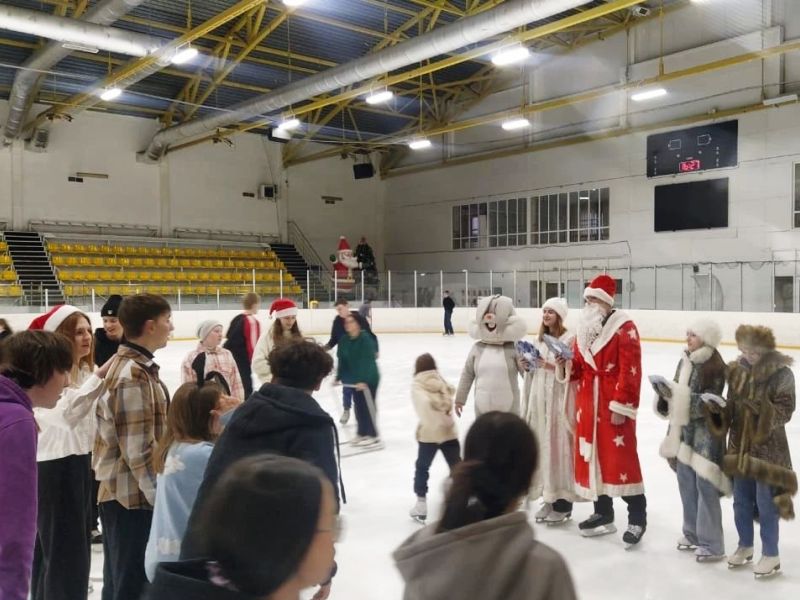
<point x="363" y="171"/>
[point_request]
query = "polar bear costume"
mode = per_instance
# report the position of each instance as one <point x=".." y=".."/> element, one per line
<point x="492" y="362"/>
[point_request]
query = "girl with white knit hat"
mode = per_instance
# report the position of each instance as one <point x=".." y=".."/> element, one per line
<point x="210" y="357"/>
<point x="548" y="406"/>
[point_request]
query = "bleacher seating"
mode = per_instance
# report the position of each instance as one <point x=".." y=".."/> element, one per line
<point x="201" y="271"/>
<point x="9" y="285"/>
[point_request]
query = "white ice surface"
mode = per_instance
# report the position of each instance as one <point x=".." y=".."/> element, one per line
<point x="380" y="493"/>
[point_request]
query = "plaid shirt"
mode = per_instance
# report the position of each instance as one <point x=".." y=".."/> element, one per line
<point x="220" y="360"/>
<point x="131" y="418"/>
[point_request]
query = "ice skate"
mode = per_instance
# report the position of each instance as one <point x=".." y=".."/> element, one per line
<point x="369" y="442"/>
<point x="684" y="545"/>
<point x="633" y="535"/>
<point x="741" y="557"/>
<point x="767" y="567"/>
<point x="345" y="416"/>
<point x="543" y="512"/>
<point x="420" y="511"/>
<point x="355" y="441"/>
<point x="597" y="525"/>
<point x="556" y="518"/>
<point x="704" y="555"/>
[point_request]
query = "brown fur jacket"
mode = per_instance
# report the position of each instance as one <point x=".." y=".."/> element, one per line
<point x="761" y="401"/>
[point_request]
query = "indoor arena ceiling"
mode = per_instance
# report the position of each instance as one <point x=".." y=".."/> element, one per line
<point x="270" y="45"/>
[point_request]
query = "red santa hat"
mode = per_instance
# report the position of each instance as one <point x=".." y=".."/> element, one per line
<point x="343" y="244"/>
<point x="283" y="307"/>
<point x="602" y="288"/>
<point x="52" y="319"/>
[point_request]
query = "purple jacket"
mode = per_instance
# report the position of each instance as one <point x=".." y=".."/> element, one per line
<point x="18" y="491"/>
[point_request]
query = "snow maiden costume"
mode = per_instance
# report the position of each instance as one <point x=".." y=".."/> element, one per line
<point x="492" y="362"/>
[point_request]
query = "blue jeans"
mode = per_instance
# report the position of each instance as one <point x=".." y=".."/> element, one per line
<point x="425" y="455"/>
<point x="702" y="513"/>
<point x="347" y="397"/>
<point x="747" y="495"/>
<point x="448" y="324"/>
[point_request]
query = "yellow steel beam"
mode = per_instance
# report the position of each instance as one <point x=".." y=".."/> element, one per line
<point x="138" y="65"/>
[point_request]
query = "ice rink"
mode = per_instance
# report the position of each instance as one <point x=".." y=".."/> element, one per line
<point x="379" y="491"/>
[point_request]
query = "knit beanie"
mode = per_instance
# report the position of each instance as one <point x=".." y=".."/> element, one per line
<point x="111" y="307"/>
<point x="205" y="328"/>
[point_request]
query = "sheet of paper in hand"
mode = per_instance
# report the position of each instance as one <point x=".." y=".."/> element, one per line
<point x="708" y="398"/>
<point x="528" y="352"/>
<point x="557" y="347"/>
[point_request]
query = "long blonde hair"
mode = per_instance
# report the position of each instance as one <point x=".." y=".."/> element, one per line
<point x="556" y="330"/>
<point x="67" y="328"/>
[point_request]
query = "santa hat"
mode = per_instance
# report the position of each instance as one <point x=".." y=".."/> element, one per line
<point x="559" y="306"/>
<point x="51" y="320"/>
<point x="283" y="307"/>
<point x="708" y="331"/>
<point x="602" y="288"/>
<point x="207" y="327"/>
<point x="343" y="244"/>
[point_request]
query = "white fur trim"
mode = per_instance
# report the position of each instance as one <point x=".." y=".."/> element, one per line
<point x="609" y="489"/>
<point x="59" y="316"/>
<point x="615" y="321"/>
<point x="559" y="306"/>
<point x="585" y="449"/>
<point x="591" y="292"/>
<point x="626" y="410"/>
<point x="679" y="407"/>
<point x="701" y="355"/>
<point x="708" y="331"/>
<point x="286" y="312"/>
<point x="704" y="468"/>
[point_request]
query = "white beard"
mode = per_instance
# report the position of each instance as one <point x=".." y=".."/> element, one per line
<point x="589" y="326"/>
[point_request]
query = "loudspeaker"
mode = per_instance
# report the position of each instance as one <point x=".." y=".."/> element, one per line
<point x="363" y="171"/>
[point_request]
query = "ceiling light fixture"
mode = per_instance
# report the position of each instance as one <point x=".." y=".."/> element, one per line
<point x="780" y="100"/>
<point x="289" y="124"/>
<point x="518" y="123"/>
<point x="379" y="97"/>
<point x="419" y="144"/>
<point x="109" y="94"/>
<point x="294" y="2"/>
<point x="648" y="95"/>
<point x="184" y="55"/>
<point x="511" y="55"/>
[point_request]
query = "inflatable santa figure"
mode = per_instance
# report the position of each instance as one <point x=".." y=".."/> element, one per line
<point x="343" y="264"/>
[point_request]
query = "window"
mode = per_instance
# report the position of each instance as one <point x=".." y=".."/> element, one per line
<point x="581" y="216"/>
<point x="797" y="195"/>
<point x="495" y="224"/>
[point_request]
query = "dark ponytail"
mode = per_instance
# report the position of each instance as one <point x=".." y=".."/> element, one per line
<point x="500" y="458"/>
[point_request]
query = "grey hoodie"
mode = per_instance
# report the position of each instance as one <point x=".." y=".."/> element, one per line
<point x="494" y="559"/>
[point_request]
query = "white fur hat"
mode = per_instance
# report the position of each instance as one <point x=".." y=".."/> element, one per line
<point x="559" y="306"/>
<point x="708" y="331"/>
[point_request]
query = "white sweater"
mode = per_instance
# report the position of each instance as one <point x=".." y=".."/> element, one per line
<point x="61" y="436"/>
<point x="260" y="364"/>
<point x="433" y="402"/>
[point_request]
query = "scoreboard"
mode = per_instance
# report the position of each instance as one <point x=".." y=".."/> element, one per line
<point x="713" y="146"/>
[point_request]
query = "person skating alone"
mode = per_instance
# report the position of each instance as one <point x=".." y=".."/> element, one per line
<point x="761" y="400"/>
<point x="449" y="306"/>
<point x="608" y="367"/>
<point x="548" y="406"/>
<point x="357" y="368"/>
<point x="691" y="449"/>
<point x="436" y="429"/>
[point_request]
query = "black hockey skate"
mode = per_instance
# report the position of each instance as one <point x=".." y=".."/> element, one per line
<point x="597" y="525"/>
<point x="633" y="535"/>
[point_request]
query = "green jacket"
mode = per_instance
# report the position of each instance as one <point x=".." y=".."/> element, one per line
<point x="357" y="363"/>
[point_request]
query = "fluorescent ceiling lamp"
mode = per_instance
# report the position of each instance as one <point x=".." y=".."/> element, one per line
<point x="184" y="55"/>
<point x="380" y="97"/>
<point x="110" y="94"/>
<point x="648" y="95"/>
<point x="80" y="47"/>
<point x="294" y="2"/>
<point x="419" y="144"/>
<point x="780" y="100"/>
<point x="512" y="124"/>
<point x="511" y="55"/>
<point x="289" y="124"/>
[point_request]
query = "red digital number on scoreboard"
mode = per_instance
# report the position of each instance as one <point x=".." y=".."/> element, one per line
<point x="689" y="165"/>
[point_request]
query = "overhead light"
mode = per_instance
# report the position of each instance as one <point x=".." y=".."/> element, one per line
<point x="648" y="94"/>
<point x="80" y="47"/>
<point x="294" y="2"/>
<point x="780" y="100"/>
<point x="184" y="55"/>
<point x="419" y="144"/>
<point x="289" y="124"/>
<point x="512" y="124"/>
<point x="511" y="55"/>
<point x="110" y="94"/>
<point x="380" y="97"/>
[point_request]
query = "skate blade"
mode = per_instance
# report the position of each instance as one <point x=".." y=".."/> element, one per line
<point x="362" y="450"/>
<point x="739" y="566"/>
<point x="558" y="523"/>
<point x="709" y="559"/>
<point x="629" y="547"/>
<point x="599" y="531"/>
<point x="420" y="520"/>
<point x="686" y="548"/>
<point x="768" y="575"/>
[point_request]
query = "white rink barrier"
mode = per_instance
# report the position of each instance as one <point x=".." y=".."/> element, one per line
<point x="654" y="325"/>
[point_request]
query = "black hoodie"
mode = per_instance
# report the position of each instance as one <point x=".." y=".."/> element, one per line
<point x="278" y="420"/>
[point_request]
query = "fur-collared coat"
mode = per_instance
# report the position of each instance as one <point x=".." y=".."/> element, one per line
<point x="689" y="439"/>
<point x="761" y="401"/>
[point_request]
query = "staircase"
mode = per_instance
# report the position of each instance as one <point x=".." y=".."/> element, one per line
<point x="298" y="267"/>
<point x="34" y="268"/>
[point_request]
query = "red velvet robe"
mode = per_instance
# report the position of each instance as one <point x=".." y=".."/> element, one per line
<point x="609" y="374"/>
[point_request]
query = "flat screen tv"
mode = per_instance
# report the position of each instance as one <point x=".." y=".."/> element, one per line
<point x="692" y="205"/>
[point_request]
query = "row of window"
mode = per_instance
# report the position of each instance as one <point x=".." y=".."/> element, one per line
<point x="580" y="216"/>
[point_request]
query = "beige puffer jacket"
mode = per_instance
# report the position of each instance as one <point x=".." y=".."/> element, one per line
<point x="433" y="401"/>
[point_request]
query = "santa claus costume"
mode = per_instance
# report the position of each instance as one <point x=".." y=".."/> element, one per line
<point x="608" y="368"/>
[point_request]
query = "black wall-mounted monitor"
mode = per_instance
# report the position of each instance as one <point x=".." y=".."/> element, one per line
<point x="713" y="146"/>
<point x="691" y="205"/>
